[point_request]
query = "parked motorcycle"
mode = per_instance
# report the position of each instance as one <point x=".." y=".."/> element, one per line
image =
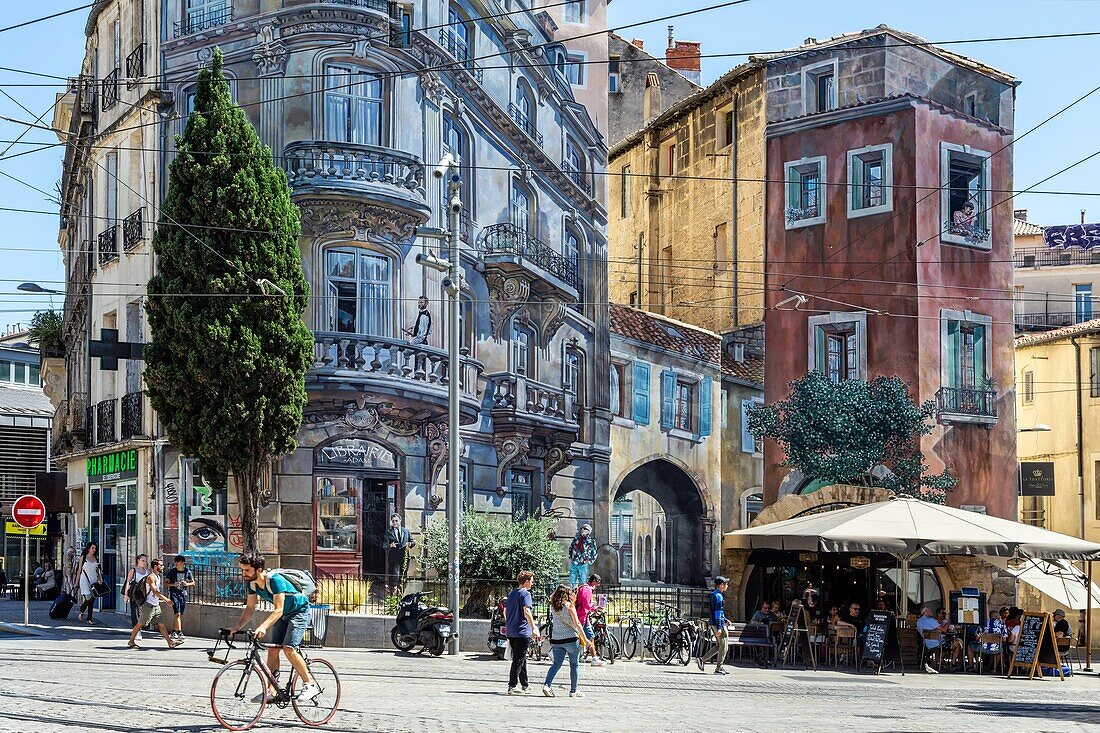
<point x="421" y="624"/>
<point x="498" y="636"/>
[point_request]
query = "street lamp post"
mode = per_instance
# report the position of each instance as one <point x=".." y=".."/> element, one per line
<point x="452" y="266"/>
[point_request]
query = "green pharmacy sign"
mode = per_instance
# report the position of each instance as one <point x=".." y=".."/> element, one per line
<point x="113" y="466"/>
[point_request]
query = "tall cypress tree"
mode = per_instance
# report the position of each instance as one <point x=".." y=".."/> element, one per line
<point x="226" y="366"/>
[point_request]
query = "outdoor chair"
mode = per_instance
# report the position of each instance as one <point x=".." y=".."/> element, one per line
<point x="844" y="644"/>
<point x="1067" y="649"/>
<point x="935" y="652"/>
<point x="997" y="659"/>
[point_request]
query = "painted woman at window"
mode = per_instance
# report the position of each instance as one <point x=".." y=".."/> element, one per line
<point x="965" y="219"/>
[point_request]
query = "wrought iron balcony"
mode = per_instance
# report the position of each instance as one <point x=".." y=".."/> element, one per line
<point x="381" y="171"/>
<point x="518" y="399"/>
<point x="135" y="66"/>
<point x="109" y="89"/>
<point x="507" y="242"/>
<point x="1039" y="257"/>
<point x="198" y="22"/>
<point x="525" y="123"/>
<point x="576" y="176"/>
<point x="132" y="229"/>
<point x="108" y="245"/>
<point x="459" y="50"/>
<point x="967" y="404"/>
<point x="84" y="88"/>
<point x="1044" y="321"/>
<point x="105" y="422"/>
<point x="131" y="415"/>
<point x="409" y="375"/>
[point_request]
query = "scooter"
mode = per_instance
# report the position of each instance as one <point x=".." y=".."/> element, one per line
<point x="498" y="636"/>
<point x="421" y="624"/>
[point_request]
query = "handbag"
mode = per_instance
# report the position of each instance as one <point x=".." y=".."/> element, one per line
<point x="100" y="589"/>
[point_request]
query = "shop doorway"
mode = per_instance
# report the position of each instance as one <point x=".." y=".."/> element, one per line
<point x="379" y="502"/>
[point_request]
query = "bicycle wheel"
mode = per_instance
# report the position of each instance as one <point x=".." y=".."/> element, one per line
<point x="684" y="653"/>
<point x="238" y="695"/>
<point x="320" y="709"/>
<point x="660" y="646"/>
<point x="612" y="648"/>
<point x="630" y="643"/>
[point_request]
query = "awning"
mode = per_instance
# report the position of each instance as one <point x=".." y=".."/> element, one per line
<point x="1057" y="579"/>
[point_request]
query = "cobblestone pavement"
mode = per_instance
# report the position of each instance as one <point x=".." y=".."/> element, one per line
<point x="75" y="679"/>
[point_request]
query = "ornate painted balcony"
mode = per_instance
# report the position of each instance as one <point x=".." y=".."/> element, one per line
<point x="131" y="415"/>
<point x="413" y="378"/>
<point x="513" y="251"/>
<point x="389" y="177"/>
<point x="967" y="405"/>
<point x="105" y="422"/>
<point x="197" y="22"/>
<point x="530" y="407"/>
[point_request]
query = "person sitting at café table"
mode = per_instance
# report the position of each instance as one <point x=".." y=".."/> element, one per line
<point x="928" y="622"/>
<point x="777" y="612"/>
<point x="1061" y="626"/>
<point x="850" y="616"/>
<point x="764" y="615"/>
<point x="974" y="649"/>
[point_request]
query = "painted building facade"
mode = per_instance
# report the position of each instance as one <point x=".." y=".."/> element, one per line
<point x="858" y="127"/>
<point x="359" y="101"/>
<point x="681" y="467"/>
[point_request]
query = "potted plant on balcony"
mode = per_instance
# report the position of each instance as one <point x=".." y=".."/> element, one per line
<point x="47" y="333"/>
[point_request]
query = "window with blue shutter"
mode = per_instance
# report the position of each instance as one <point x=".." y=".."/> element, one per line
<point x="748" y="443"/>
<point x="705" y="407"/>
<point x="641" y="393"/>
<point x="668" y="398"/>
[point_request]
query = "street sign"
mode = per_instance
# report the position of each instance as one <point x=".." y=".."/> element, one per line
<point x="1037" y="478"/>
<point x="14" y="530"/>
<point x="28" y="511"/>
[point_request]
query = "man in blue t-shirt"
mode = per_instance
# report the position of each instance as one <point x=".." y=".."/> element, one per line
<point x="287" y="623"/>
<point x="717" y="621"/>
<point x="519" y="625"/>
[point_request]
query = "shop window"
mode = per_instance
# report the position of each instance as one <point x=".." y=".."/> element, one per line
<point x="838" y="345"/>
<point x="965" y="195"/>
<point x="360" y="291"/>
<point x="870" y="180"/>
<point x="805" y="197"/>
<point x="337" y="514"/>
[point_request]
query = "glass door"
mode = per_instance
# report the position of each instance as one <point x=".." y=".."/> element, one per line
<point x="379" y="502"/>
<point x="125" y="537"/>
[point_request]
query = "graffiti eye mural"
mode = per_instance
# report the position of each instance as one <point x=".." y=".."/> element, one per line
<point x="206" y="532"/>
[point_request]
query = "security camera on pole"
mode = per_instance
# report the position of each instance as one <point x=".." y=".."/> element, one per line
<point x="448" y="169"/>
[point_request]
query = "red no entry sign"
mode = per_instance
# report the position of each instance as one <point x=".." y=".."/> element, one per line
<point x="28" y="511"/>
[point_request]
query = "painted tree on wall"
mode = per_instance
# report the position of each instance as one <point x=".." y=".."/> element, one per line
<point x="854" y="432"/>
<point x="225" y="369"/>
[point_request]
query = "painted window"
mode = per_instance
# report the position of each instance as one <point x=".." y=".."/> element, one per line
<point x="819" y="90"/>
<point x="572" y="252"/>
<point x="200" y="13"/>
<point x="576" y="69"/>
<point x="965" y="198"/>
<point x="354" y="105"/>
<point x="521" y="212"/>
<point x="458" y="35"/>
<point x="748" y="442"/>
<point x="575" y="11"/>
<point x="641" y="393"/>
<point x="1082" y="302"/>
<point x="618" y="389"/>
<point x="360" y="291"/>
<point x="805" y="197"/>
<point x="571" y="372"/>
<point x="337" y="517"/>
<point x="525" y="108"/>
<point x="682" y="409"/>
<point x="521" y="486"/>
<point x="966" y="353"/>
<point x="825" y="88"/>
<point x="838" y="343"/>
<point x="1094" y="371"/>
<point x="870" y="180"/>
<point x="522" y="350"/>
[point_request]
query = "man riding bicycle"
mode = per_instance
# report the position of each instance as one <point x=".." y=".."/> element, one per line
<point x="287" y="623"/>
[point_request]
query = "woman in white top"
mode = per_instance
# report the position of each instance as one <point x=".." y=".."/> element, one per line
<point x="566" y="633"/>
<point x="138" y="573"/>
<point x="88" y="574"/>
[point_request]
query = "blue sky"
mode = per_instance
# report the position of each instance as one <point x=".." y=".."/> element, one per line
<point x="1053" y="73"/>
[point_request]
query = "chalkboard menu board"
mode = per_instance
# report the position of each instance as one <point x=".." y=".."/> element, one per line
<point x="879" y="624"/>
<point x="789" y="630"/>
<point x="1035" y="645"/>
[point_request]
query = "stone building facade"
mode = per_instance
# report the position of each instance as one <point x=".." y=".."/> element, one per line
<point x="630" y="73"/>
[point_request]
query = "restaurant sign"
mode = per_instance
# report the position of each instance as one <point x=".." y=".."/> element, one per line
<point x="1037" y="478"/>
<point x="860" y="562"/>
<point x="355" y="453"/>
<point x="115" y="466"/>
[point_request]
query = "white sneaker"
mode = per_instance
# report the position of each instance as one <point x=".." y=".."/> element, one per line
<point x="309" y="691"/>
<point x="514" y="691"/>
<point x="578" y="693"/>
<point x="597" y="662"/>
<point x="526" y="690"/>
<point x="548" y="690"/>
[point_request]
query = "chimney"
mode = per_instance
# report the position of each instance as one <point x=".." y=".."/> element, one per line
<point x="651" y="100"/>
<point x="639" y="43"/>
<point x="1082" y="216"/>
<point x="1020" y="214"/>
<point x="684" y="56"/>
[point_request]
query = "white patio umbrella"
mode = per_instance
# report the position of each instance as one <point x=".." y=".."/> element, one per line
<point x="905" y="527"/>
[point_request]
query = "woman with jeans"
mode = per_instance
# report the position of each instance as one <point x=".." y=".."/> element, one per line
<point x="565" y="635"/>
<point x="88" y="574"/>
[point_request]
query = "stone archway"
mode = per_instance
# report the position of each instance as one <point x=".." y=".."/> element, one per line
<point x="668" y="505"/>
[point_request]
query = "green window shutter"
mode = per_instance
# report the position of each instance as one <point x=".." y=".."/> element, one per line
<point x="705" y="407"/>
<point x="668" y="390"/>
<point x="641" y="393"/>
<point x="856" y="190"/>
<point x="952" y="350"/>
<point x="748" y="443"/>
<point x="820" y="353"/>
<point x="980" y="370"/>
<point x="794" y="188"/>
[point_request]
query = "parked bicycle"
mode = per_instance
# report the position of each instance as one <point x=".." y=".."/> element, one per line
<point x="681" y="637"/>
<point x="537" y="649"/>
<point x="607" y="646"/>
<point x="239" y="693"/>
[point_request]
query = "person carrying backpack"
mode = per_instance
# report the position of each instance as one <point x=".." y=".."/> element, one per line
<point x="285" y="626"/>
<point x="180" y="579"/>
<point x="150" y="608"/>
<point x="135" y="586"/>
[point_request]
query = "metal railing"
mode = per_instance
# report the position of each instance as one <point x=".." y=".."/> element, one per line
<point x="105" y="422"/>
<point x="460" y="51"/>
<point x="132" y="232"/>
<point x="131" y="415"/>
<point x="967" y="401"/>
<point x="517" y="393"/>
<point x="109" y="89"/>
<point x="510" y="240"/>
<point x="198" y="22"/>
<point x="308" y="161"/>
<point x="84" y="88"/>
<point x="576" y="176"/>
<point x="135" y="66"/>
<point x="387" y="357"/>
<point x="1042" y="257"/>
<point x="1040" y="321"/>
<point x="525" y="123"/>
<point x="108" y="245"/>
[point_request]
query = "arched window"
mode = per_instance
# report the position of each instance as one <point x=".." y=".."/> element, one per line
<point x="525" y="108"/>
<point x="522" y="211"/>
<point x="355" y="105"/>
<point x="523" y="350"/>
<point x="359" y="283"/>
<point x="456" y="141"/>
<point x="560" y="63"/>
